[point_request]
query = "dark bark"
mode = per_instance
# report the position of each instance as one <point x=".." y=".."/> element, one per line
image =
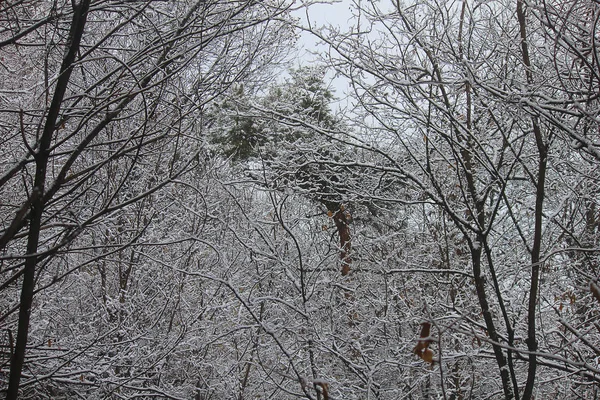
<point x="37" y="199"/>
<point x="489" y="320"/>
<point x="531" y="340"/>
<point x="478" y="215"/>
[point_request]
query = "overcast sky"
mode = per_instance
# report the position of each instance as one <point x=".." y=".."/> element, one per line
<point x="338" y="14"/>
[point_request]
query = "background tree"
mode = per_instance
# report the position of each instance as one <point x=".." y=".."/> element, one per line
<point x="279" y="137"/>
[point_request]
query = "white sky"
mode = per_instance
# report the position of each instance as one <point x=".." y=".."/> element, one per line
<point x="338" y="14"/>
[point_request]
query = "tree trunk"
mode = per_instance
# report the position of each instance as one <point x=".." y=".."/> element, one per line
<point x="539" y="201"/>
<point x="37" y="199"/>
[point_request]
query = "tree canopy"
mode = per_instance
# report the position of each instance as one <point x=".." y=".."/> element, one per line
<point x="184" y="216"/>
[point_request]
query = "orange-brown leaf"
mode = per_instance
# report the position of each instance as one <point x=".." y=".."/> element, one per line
<point x="427" y="356"/>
